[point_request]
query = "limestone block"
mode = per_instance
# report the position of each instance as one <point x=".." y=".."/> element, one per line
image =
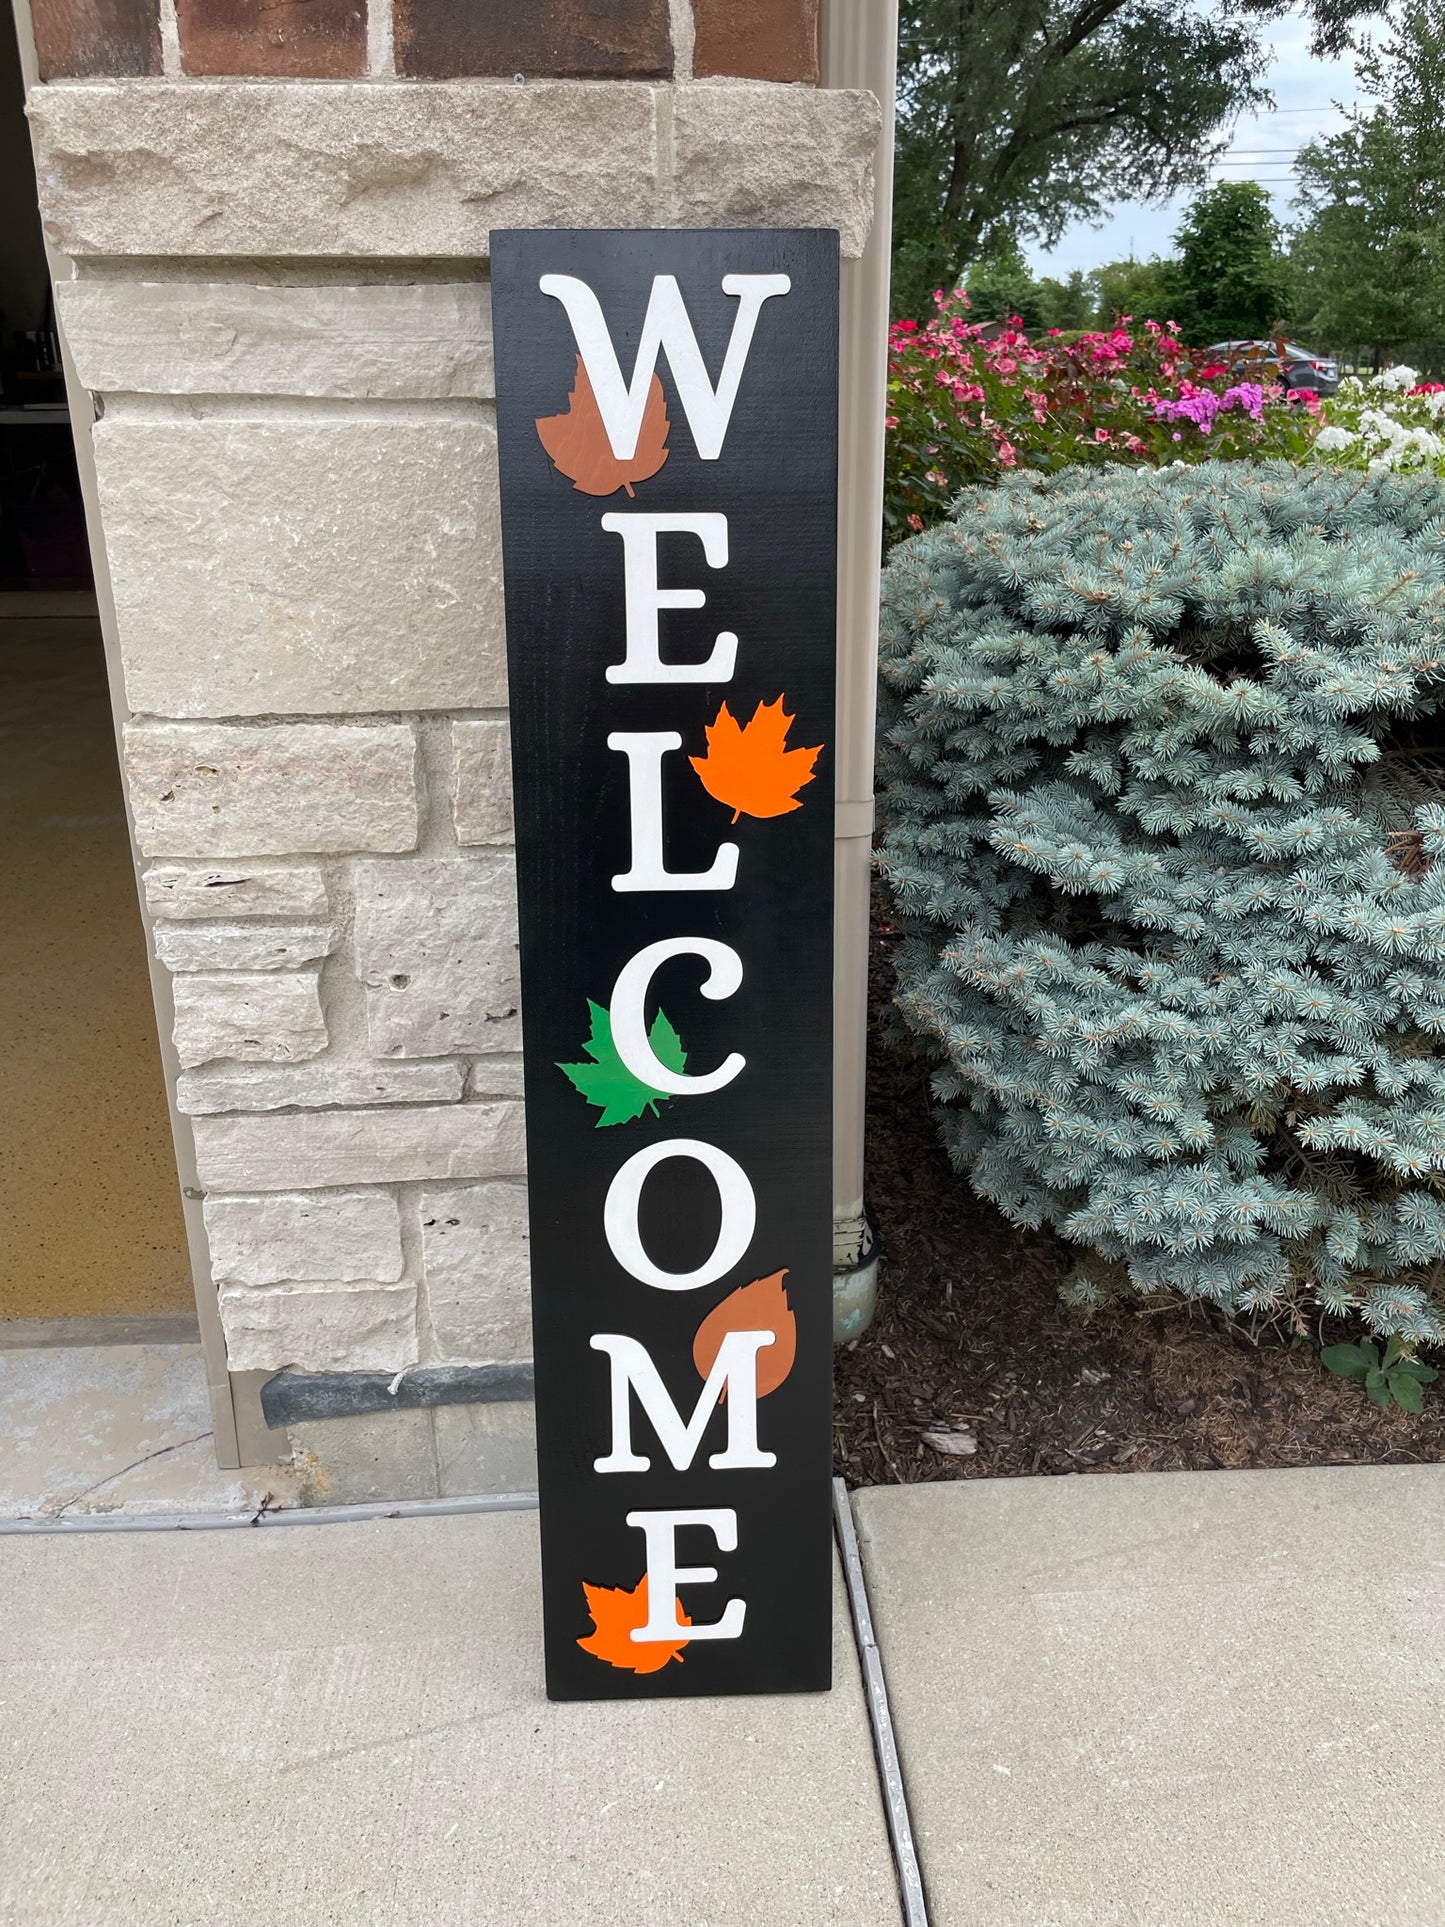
<point x="275" y="1087"/>
<point x="261" y="1017"/>
<point x="436" y="947"/>
<point x="268" y="168"/>
<point x="346" y="168"/>
<point x="223" y="338"/>
<point x="486" y="1448"/>
<point x="749" y="154"/>
<point x="285" y="565"/>
<point x="320" y="1328"/>
<point x="499" y="1076"/>
<point x="253" y="790"/>
<point x="478" y="1284"/>
<point x="482" y="782"/>
<point x="311" y="1150"/>
<point x="239" y="890"/>
<point x="284" y="1236"/>
<point x="242" y="946"/>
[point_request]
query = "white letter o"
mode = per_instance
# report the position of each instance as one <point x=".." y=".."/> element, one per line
<point x="735" y="1233"/>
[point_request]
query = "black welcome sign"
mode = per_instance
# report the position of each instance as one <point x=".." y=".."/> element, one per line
<point x="667" y="427"/>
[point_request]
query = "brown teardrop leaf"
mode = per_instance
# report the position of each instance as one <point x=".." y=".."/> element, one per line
<point x="761" y="1306"/>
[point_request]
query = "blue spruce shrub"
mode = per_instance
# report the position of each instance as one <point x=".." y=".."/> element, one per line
<point x="1160" y="826"/>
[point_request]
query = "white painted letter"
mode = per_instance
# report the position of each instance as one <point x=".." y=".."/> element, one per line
<point x="664" y="1575"/>
<point x="644" y="750"/>
<point x="639" y="571"/>
<point x="628" y="1011"/>
<point x="735" y="1233"/>
<point x="665" y="328"/>
<point x="734" y="1371"/>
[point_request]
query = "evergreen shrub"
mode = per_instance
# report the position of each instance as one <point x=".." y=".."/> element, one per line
<point x="1163" y="832"/>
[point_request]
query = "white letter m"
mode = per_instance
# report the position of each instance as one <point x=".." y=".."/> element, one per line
<point x="734" y="1370"/>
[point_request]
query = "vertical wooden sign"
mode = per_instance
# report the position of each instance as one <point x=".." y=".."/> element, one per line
<point x="667" y="429"/>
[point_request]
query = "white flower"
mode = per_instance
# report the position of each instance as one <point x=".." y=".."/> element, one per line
<point x="1399" y="377"/>
<point x="1331" y="440"/>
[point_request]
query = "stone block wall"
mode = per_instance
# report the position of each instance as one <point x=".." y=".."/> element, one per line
<point x="277" y="222"/>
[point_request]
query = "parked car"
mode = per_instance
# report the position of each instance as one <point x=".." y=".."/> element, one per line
<point x="1296" y="367"/>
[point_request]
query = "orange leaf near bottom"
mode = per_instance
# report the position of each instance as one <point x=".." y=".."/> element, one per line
<point x="615" y="1614"/>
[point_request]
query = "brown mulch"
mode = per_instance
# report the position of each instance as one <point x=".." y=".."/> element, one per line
<point x="972" y="1337"/>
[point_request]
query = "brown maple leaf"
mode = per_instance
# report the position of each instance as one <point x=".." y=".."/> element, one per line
<point x="747" y="766"/>
<point x="577" y="441"/>
<point x="615" y="1612"/>
<point x="761" y="1306"/>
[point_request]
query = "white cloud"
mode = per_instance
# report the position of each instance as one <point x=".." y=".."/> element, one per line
<point x="1309" y="96"/>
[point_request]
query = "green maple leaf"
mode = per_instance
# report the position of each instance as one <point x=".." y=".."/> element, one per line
<point x="607" y="1082"/>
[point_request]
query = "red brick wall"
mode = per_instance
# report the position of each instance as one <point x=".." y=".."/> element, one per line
<point x="80" y="38"/>
<point x="758" y="39"/>
<point x="310" y="39"/>
<point x="617" y="39"/>
<point x="327" y="39"/>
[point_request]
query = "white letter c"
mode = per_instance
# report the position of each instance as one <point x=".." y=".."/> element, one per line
<point x="629" y="1013"/>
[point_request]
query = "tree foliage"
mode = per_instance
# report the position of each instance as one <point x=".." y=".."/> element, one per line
<point x="1369" y="255"/>
<point x="1171" y="873"/>
<point x="1146" y="290"/>
<point x="1016" y="117"/>
<point x="1228" y="280"/>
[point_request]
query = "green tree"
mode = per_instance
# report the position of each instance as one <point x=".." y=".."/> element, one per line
<point x="1230" y="278"/>
<point x="1147" y="290"/>
<point x="1369" y="255"/>
<point x="1016" y="117"/>
<point x="1002" y="286"/>
<point x="1068" y="304"/>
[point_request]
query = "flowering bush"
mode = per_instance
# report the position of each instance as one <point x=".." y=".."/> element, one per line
<point x="1390" y="420"/>
<point x="968" y="402"/>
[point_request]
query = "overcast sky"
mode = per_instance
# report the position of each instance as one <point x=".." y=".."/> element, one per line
<point x="1307" y="95"/>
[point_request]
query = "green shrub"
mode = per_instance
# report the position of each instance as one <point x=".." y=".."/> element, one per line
<point x="1161" y="825"/>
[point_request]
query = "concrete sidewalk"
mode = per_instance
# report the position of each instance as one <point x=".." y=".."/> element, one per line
<point x="345" y="1723"/>
<point x="1170" y="1699"/>
<point x="1151" y="1700"/>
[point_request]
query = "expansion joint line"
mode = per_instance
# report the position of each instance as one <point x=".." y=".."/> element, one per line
<point x="880" y="1718"/>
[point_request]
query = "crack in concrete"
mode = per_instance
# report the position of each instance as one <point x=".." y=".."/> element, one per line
<point x="111" y="1477"/>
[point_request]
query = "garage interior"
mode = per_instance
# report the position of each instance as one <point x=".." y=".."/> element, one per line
<point x="88" y="1195"/>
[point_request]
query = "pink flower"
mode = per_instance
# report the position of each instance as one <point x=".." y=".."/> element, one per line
<point x="915" y="522"/>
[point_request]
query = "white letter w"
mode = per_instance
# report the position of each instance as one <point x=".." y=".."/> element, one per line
<point x="665" y="329"/>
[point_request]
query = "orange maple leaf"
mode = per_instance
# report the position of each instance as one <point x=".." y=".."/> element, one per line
<point x="615" y="1612"/>
<point x="577" y="441"/>
<point x="761" y="1306"/>
<point x="747" y="766"/>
